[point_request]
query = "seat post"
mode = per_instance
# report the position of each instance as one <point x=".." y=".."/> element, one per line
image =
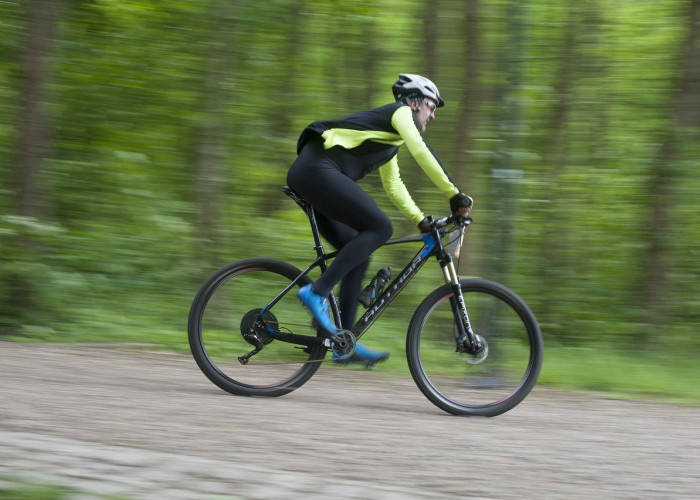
<point x="311" y="213"/>
<point x="318" y="245"/>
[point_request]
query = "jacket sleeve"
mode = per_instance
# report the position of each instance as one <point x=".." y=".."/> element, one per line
<point x="402" y="121"/>
<point x="397" y="192"/>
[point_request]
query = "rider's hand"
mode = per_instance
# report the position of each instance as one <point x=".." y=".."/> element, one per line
<point x="424" y="226"/>
<point x="461" y="204"/>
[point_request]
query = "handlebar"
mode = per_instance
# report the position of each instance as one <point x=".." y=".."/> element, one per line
<point x="455" y="220"/>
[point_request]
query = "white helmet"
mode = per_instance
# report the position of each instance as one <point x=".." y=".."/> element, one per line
<point x="408" y="86"/>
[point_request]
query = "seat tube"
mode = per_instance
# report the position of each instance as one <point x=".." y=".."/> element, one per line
<point x="318" y="246"/>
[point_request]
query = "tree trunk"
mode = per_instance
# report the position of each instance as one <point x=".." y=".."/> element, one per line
<point x="280" y="117"/>
<point x="556" y="157"/>
<point x="471" y="98"/>
<point x="686" y="112"/>
<point x="35" y="128"/>
<point x="429" y="53"/>
<point x="505" y="172"/>
<point x="210" y="154"/>
<point x="372" y="56"/>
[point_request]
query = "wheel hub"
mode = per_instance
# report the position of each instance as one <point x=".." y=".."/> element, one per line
<point x="479" y="355"/>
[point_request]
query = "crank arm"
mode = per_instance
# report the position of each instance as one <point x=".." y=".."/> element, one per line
<point x="244" y="359"/>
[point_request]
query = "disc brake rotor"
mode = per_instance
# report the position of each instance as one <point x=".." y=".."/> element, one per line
<point x="479" y="356"/>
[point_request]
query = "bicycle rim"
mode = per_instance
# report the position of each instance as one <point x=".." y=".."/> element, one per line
<point x="484" y="385"/>
<point x="225" y="308"/>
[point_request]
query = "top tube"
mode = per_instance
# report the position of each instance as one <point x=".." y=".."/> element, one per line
<point x="439" y="224"/>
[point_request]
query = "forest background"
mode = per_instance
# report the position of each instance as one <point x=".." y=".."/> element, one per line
<point x="143" y="144"/>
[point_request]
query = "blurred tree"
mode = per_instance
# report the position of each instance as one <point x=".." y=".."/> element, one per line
<point x="430" y="38"/>
<point x="283" y="86"/>
<point x="687" y="109"/>
<point x="554" y="258"/>
<point x="663" y="175"/>
<point x="35" y="127"/>
<point x="471" y="90"/>
<point x="35" y="132"/>
<point x="371" y="54"/>
<point x="506" y="170"/>
<point x="210" y="149"/>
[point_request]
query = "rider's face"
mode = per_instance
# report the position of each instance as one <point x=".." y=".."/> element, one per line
<point x="425" y="112"/>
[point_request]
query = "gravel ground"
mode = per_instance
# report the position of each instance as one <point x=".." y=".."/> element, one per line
<point x="114" y="420"/>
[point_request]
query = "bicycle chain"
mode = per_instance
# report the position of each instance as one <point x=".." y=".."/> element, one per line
<point x="324" y="359"/>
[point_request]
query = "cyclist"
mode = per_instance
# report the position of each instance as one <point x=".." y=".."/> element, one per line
<point x="332" y="156"/>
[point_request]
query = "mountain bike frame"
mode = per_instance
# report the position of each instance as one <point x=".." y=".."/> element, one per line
<point x="466" y="340"/>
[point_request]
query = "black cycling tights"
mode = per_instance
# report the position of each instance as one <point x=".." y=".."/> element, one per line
<point x="347" y="217"/>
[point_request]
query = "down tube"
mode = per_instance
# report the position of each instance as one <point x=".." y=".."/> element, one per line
<point x="390" y="293"/>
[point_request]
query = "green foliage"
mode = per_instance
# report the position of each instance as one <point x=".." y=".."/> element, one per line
<point x="13" y="489"/>
<point x="622" y="374"/>
<point x="173" y="125"/>
<point x="26" y="491"/>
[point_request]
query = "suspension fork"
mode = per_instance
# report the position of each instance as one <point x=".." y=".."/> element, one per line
<point x="466" y="340"/>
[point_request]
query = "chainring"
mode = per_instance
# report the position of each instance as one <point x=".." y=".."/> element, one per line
<point x="343" y="344"/>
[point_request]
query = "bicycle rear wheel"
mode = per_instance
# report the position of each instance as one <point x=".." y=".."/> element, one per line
<point x="491" y="382"/>
<point x="227" y="306"/>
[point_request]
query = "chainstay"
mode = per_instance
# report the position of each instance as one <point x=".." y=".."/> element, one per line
<point x="323" y="360"/>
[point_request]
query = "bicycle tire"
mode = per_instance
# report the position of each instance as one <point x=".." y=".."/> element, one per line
<point x="508" y="371"/>
<point x="228" y="301"/>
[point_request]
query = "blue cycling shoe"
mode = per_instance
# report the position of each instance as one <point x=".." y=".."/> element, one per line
<point x="364" y="355"/>
<point x="319" y="308"/>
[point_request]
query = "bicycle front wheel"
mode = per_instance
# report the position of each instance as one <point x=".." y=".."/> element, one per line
<point x="226" y="308"/>
<point x="490" y="382"/>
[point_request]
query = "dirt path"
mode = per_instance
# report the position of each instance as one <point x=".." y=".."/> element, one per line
<point x="151" y="426"/>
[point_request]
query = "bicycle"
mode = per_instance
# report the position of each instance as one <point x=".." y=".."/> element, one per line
<point x="473" y="346"/>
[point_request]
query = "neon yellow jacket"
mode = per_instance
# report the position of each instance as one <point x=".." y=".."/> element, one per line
<point x="370" y="140"/>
